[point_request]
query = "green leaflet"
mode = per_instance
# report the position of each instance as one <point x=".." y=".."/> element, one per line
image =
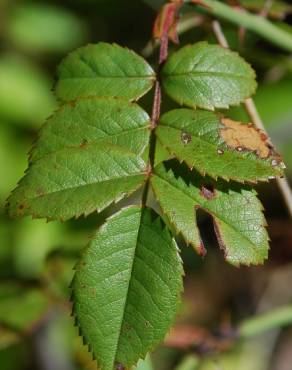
<point x="74" y="182"/>
<point x="104" y="70"/>
<point x="93" y="121"/>
<point x="193" y="136"/>
<point x="208" y="76"/>
<point x="237" y="214"/>
<point x="88" y="156"/>
<point x="126" y="287"/>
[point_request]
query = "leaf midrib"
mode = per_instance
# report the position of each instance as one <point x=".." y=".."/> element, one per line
<point x="205" y="73"/>
<point x="84" y="185"/>
<point x="151" y="77"/>
<point x="102" y="140"/>
<point x="127" y="295"/>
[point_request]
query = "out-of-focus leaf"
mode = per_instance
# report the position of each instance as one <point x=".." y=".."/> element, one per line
<point x="278" y="9"/>
<point x="190" y="362"/>
<point x="206" y="142"/>
<point x="236" y="212"/>
<point x="7" y="338"/>
<point x="44" y="28"/>
<point x="104" y="70"/>
<point x="208" y="76"/>
<point x="12" y="159"/>
<point x="15" y="357"/>
<point x="25" y="96"/>
<point x="131" y="276"/>
<point x="144" y="364"/>
<point x="6" y="232"/>
<point x="21" y="308"/>
<point x="251" y="355"/>
<point x="33" y="242"/>
<point x="58" y="274"/>
<point x="274" y="103"/>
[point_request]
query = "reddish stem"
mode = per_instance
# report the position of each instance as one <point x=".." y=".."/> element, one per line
<point x="156" y="106"/>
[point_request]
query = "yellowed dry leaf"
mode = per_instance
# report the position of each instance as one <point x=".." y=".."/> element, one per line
<point x="245" y="137"/>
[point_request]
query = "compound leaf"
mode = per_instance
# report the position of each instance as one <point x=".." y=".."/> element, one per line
<point x="208" y="76"/>
<point x="87" y="156"/>
<point x="237" y="214"/>
<point x="104" y="70"/>
<point x="218" y="147"/>
<point x="126" y="288"/>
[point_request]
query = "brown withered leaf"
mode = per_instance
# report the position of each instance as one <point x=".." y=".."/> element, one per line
<point x="167" y="20"/>
<point x="245" y="137"/>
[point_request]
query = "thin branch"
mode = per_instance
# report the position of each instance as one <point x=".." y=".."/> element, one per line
<point x="163" y="53"/>
<point x="219" y="34"/>
<point x="154" y="120"/>
<point x="156" y="105"/>
<point x="199" y="340"/>
<point x="252" y="22"/>
<point x="261" y="323"/>
<point x="252" y="111"/>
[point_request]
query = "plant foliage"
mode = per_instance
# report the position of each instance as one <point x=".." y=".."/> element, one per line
<point x="99" y="147"/>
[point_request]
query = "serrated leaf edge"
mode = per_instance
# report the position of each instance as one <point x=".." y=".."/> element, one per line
<point x="73" y="312"/>
<point x="193" y="165"/>
<point x="214" y="217"/>
<point x="72" y="103"/>
<point x="75" y="217"/>
<point x="151" y="78"/>
<point x="213" y="107"/>
<point x="200" y="249"/>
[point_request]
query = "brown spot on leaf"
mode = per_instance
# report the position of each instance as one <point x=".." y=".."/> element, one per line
<point x="207" y="191"/>
<point x="40" y="191"/>
<point x="92" y="292"/>
<point x="119" y="367"/>
<point x="21" y="206"/>
<point x="83" y="143"/>
<point x="186" y="138"/>
<point x="72" y="103"/>
<point x="245" y="137"/>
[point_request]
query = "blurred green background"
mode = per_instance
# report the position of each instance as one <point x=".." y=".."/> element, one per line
<point x="36" y="258"/>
